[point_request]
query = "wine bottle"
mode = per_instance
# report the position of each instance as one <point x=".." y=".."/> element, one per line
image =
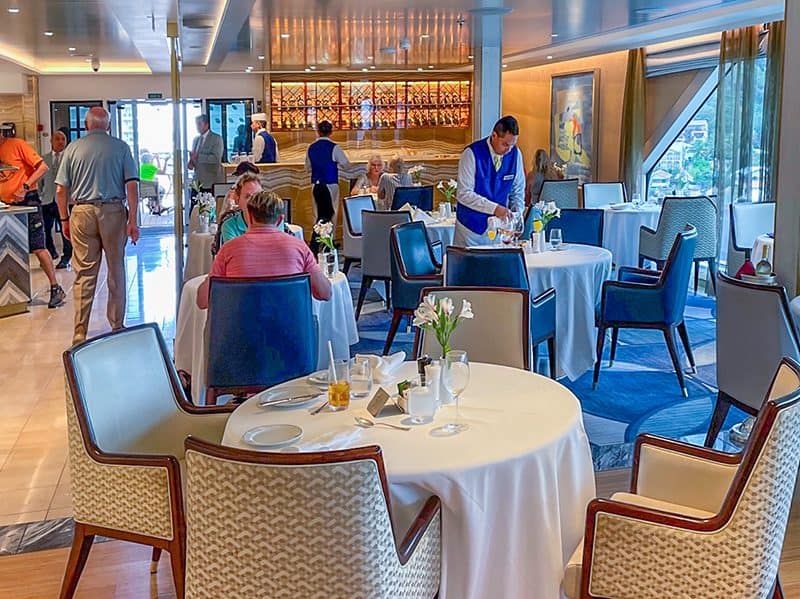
<point x="764" y="267"/>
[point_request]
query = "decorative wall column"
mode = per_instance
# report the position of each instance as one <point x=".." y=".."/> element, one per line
<point x="488" y="59"/>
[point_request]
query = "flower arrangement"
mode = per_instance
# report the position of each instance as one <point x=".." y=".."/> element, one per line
<point x="547" y="212"/>
<point x="206" y="204"/>
<point x="448" y="189"/>
<point x="324" y="231"/>
<point x="439" y="318"/>
<point x="416" y="173"/>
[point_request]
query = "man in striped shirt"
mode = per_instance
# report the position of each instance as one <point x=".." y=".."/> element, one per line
<point x="266" y="251"/>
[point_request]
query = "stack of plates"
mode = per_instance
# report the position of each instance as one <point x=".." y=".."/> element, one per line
<point x="761" y="279"/>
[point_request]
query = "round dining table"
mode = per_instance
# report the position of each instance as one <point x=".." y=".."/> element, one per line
<point x="336" y="321"/>
<point x="442" y="230"/>
<point x="514" y="487"/>
<point x="621" y="230"/>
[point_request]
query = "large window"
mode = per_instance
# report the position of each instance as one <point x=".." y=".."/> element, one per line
<point x="231" y="120"/>
<point x="69" y="117"/>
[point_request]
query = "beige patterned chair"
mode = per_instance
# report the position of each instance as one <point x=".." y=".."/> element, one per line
<point x="697" y="523"/>
<point x="127" y="419"/>
<point x="310" y="525"/>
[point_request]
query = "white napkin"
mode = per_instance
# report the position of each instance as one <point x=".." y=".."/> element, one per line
<point x="383" y="366"/>
<point x="407" y="207"/>
<point x="423" y="216"/>
<point x="343" y="437"/>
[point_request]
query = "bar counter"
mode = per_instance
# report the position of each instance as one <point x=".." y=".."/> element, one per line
<point x="15" y="273"/>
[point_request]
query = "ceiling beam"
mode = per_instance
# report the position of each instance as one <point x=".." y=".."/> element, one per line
<point x="234" y="16"/>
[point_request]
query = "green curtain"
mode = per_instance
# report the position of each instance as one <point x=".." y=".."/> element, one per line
<point x="771" y="121"/>
<point x="633" y="115"/>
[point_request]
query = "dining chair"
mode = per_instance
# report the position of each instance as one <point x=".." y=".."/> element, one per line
<point x="505" y="267"/>
<point x="353" y="206"/>
<point x="676" y="213"/>
<point x="578" y="225"/>
<point x="259" y="332"/>
<point x="499" y="333"/>
<point x="126" y="446"/>
<point x="414" y="267"/>
<point x="564" y="192"/>
<point x="376" y="261"/>
<point x="317" y="524"/>
<point x="755" y="330"/>
<point x="748" y="220"/>
<point x="418" y="196"/>
<point x="647" y="299"/>
<point x="598" y="195"/>
<point x="697" y="522"/>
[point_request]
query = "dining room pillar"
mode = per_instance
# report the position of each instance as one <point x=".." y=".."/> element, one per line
<point x="787" y="208"/>
<point x="488" y="58"/>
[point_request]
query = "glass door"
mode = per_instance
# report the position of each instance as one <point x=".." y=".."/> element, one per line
<point x="69" y="117"/>
<point x="231" y="120"/>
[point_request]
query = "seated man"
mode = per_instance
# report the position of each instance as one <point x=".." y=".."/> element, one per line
<point x="265" y="251"/>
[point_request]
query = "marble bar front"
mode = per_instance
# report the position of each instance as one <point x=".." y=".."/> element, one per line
<point x="15" y="274"/>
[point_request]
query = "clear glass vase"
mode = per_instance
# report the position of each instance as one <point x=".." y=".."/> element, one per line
<point x="202" y="223"/>
<point x="329" y="262"/>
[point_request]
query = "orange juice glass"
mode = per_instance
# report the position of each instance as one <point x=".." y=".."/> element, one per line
<point x="339" y="385"/>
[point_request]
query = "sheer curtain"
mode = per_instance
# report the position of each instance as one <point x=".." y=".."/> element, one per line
<point x="771" y="123"/>
<point x="633" y="115"/>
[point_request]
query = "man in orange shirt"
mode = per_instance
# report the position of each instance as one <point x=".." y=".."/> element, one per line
<point x="18" y="188"/>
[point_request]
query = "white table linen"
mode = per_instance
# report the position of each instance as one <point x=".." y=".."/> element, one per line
<point x="443" y="231"/>
<point x="336" y="320"/>
<point x="514" y="487"/>
<point x="621" y="231"/>
<point x="198" y="255"/>
<point x="577" y="274"/>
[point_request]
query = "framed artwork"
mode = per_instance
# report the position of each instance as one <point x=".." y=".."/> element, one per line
<point x="573" y="127"/>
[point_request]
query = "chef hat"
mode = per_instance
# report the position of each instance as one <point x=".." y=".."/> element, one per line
<point x="258" y="116"/>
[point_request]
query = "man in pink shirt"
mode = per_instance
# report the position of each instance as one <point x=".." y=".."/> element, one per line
<point x="265" y="251"/>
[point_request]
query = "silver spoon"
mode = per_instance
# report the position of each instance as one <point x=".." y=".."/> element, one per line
<point x="367" y="423"/>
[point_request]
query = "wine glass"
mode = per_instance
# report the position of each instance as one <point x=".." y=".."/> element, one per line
<point x="518" y="226"/>
<point x="555" y="238"/>
<point x="506" y="229"/>
<point x="455" y="376"/>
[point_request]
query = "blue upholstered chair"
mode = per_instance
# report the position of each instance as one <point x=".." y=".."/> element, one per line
<point x="646" y="299"/>
<point x="598" y="195"/>
<point x="414" y="267"/>
<point x="260" y="332"/>
<point x="564" y="192"/>
<point x="505" y="267"/>
<point x="351" y="235"/>
<point x="421" y="197"/>
<point x="579" y="226"/>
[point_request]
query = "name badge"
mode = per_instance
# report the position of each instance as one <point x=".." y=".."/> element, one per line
<point x="508" y="177"/>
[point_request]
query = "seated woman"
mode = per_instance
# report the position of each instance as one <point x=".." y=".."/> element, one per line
<point x="368" y="182"/>
<point x="543" y="170"/>
<point x="396" y="177"/>
<point x="265" y="251"/>
<point x="231" y="200"/>
<point x="232" y="222"/>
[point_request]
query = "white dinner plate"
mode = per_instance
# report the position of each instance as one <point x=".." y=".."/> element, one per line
<point x="272" y="435"/>
<point x="621" y="206"/>
<point x="265" y="398"/>
<point x="320" y="377"/>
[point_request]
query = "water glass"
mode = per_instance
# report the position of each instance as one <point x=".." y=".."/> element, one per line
<point x="636" y="199"/>
<point x="421" y="404"/>
<point x="456" y="378"/>
<point x="493" y="224"/>
<point x="448" y="210"/>
<point x="555" y="238"/>
<point x="339" y="384"/>
<point x="360" y="378"/>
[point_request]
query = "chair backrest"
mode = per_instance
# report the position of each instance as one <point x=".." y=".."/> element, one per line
<point x="748" y="221"/>
<point x="564" y="192"/>
<point x="353" y="226"/>
<point x="499" y="333"/>
<point x="220" y="190"/>
<point x="260" y="331"/>
<point x="412" y="249"/>
<point x="597" y="195"/>
<point x="700" y="212"/>
<point x="327" y="522"/>
<point x="675" y="276"/>
<point x="486" y="267"/>
<point x="376" y="256"/>
<point x="421" y="197"/>
<point x="755" y="330"/>
<point x="579" y="226"/>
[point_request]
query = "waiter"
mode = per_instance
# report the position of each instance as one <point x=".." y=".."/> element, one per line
<point x="491" y="182"/>
<point x="265" y="149"/>
<point x="323" y="159"/>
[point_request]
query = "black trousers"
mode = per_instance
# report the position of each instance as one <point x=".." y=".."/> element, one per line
<point x="324" y="201"/>
<point x="51" y="221"/>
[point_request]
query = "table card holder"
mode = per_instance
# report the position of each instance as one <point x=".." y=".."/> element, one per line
<point x="377" y="406"/>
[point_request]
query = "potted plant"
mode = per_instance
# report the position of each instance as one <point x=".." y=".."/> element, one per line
<point x="416" y="174"/>
<point x="448" y="190"/>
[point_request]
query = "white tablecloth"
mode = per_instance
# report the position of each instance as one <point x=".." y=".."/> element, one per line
<point x="514" y="487"/>
<point x="199" y="258"/>
<point x="577" y="274"/>
<point x="442" y="231"/>
<point x="621" y="231"/>
<point x="336" y="317"/>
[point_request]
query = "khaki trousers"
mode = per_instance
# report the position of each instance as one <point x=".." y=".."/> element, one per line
<point x="94" y="230"/>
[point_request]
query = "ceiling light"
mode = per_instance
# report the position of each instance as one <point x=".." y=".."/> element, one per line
<point x="549" y="57"/>
<point x="49" y="33"/>
<point x="71" y="49"/>
<point x="13" y="10"/>
<point x="261" y="57"/>
<point x="285" y="36"/>
<point x="424" y="36"/>
<point x="554" y="35"/>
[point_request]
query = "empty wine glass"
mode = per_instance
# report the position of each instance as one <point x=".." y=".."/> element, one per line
<point x="555" y="238"/>
<point x="518" y="226"/>
<point x="455" y="376"/>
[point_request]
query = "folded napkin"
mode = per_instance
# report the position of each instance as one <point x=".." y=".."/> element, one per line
<point x="422" y="216"/>
<point x="383" y="367"/>
<point x="342" y="437"/>
<point x="407" y="207"/>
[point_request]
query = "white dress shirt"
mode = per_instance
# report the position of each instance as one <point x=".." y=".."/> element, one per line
<point x="466" y="194"/>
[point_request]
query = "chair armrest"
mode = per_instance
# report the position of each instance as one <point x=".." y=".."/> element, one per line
<point x="631" y="274"/>
<point x="680" y="473"/>
<point x="623" y="301"/>
<point x="548" y="295"/>
<point x="429" y="512"/>
<point x="433" y="279"/>
<point x="438" y="251"/>
<point x="543" y="316"/>
<point x="646" y="230"/>
<point x="191" y="408"/>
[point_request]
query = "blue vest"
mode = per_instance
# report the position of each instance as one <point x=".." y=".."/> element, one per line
<point x="323" y="168"/>
<point x="270" y="149"/>
<point x="491" y="184"/>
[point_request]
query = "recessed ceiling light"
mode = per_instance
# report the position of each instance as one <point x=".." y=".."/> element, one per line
<point x="13" y="10"/>
<point x="261" y="57"/>
<point x="554" y="35"/>
<point x="424" y="36"/>
<point x="504" y="65"/>
<point x="549" y="57"/>
<point x="71" y="49"/>
<point x="49" y="33"/>
<point x="285" y="36"/>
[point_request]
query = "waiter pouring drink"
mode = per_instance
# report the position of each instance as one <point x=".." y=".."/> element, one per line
<point x="491" y="182"/>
